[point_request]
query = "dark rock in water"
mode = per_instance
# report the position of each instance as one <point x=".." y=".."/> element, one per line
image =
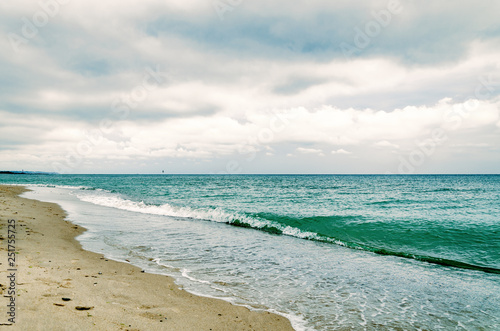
<point x="66" y="299"/>
<point x="83" y="308"/>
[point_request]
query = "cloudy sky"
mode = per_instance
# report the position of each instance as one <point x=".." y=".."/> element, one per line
<point x="240" y="86"/>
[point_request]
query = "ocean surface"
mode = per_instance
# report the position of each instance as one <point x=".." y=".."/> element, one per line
<point x="329" y="252"/>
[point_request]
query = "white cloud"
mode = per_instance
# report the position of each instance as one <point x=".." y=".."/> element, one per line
<point x="385" y="143"/>
<point x="309" y="150"/>
<point x="341" y="151"/>
<point x="216" y="136"/>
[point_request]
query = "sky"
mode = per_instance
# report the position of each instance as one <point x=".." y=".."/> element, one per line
<point x="240" y="86"/>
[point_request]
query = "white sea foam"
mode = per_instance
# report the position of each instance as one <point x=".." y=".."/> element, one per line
<point x="114" y="201"/>
<point x="210" y="214"/>
<point x="185" y="273"/>
<point x="108" y="199"/>
<point x="28" y="185"/>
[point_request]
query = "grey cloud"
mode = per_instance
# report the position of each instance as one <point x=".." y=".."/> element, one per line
<point x="430" y="34"/>
<point x="297" y="84"/>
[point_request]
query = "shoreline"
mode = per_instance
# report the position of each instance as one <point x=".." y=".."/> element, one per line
<point x="52" y="265"/>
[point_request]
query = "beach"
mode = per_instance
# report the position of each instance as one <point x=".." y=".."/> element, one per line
<point x="51" y="267"/>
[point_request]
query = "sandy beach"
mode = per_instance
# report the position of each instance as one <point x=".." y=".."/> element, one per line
<point x="60" y="286"/>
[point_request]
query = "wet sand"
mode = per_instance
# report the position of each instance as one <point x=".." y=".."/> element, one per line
<point x="51" y="265"/>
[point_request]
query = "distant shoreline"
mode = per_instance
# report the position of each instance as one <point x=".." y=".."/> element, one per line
<point x="3" y="172"/>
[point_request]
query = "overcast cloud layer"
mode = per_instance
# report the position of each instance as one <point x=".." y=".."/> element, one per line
<point x="245" y="86"/>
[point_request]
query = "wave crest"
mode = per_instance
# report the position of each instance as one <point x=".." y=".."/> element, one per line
<point x="259" y="223"/>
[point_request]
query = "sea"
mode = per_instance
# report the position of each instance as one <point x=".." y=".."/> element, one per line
<point x="329" y="252"/>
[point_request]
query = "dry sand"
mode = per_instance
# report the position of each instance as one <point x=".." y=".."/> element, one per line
<point x="51" y="265"/>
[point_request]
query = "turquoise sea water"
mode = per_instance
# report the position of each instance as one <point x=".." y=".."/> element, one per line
<point x="330" y="252"/>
